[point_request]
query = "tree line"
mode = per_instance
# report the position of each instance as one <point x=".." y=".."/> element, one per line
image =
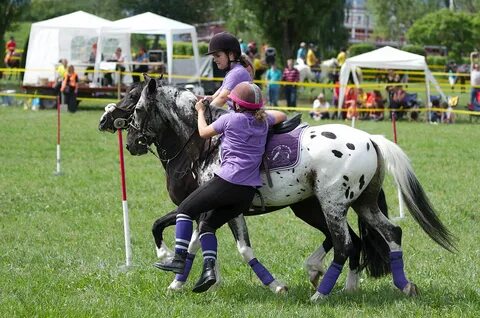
<point x="283" y="23"/>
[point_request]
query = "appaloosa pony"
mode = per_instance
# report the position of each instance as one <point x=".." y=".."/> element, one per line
<point x="181" y="181"/>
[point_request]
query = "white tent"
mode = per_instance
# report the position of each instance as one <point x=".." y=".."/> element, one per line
<point x="386" y="58"/>
<point x="149" y="23"/>
<point x="69" y="36"/>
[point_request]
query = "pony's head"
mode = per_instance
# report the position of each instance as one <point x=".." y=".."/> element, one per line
<point x="116" y="116"/>
<point x="162" y="112"/>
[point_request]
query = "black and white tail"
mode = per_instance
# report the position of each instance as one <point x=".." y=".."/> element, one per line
<point x="414" y="197"/>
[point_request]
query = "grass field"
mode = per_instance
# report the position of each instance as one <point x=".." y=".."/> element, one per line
<point x="62" y="247"/>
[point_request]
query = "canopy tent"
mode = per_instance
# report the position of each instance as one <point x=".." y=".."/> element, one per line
<point x="69" y="36"/>
<point x="149" y="23"/>
<point x="386" y="58"/>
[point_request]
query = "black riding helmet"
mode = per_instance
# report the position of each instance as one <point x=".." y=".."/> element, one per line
<point x="224" y="42"/>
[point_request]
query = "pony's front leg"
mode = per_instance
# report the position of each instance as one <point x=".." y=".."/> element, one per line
<point x="238" y="226"/>
<point x="342" y="245"/>
<point x="180" y="279"/>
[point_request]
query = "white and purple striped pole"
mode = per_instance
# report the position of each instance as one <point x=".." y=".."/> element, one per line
<point x="126" y="227"/>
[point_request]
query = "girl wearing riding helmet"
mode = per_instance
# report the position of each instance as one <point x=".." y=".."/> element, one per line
<point x="226" y="53"/>
<point x="230" y="192"/>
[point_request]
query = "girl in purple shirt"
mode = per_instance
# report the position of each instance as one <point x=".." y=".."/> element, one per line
<point x="230" y="192"/>
<point x="226" y="53"/>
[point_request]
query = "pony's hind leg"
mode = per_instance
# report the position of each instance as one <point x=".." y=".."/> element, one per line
<point x="310" y="212"/>
<point x="238" y="226"/>
<point x="392" y="234"/>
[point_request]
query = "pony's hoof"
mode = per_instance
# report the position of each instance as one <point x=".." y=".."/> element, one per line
<point x="314" y="277"/>
<point x="176" y="286"/>
<point x="317" y="297"/>
<point x="164" y="255"/>
<point x="278" y="287"/>
<point x="353" y="281"/>
<point x="411" y="290"/>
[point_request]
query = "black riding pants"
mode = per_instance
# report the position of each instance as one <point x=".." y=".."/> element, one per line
<point x="225" y="200"/>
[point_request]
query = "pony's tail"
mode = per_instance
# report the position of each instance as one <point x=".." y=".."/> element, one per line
<point x="414" y="197"/>
<point x="375" y="251"/>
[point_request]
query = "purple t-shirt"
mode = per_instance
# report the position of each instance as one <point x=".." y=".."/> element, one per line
<point x="235" y="76"/>
<point x="242" y="147"/>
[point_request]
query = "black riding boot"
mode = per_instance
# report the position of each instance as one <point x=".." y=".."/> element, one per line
<point x="177" y="265"/>
<point x="208" y="277"/>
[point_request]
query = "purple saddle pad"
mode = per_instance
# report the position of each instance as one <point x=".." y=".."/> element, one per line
<point x="282" y="150"/>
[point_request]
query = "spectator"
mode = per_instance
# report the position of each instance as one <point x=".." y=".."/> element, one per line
<point x="91" y="60"/>
<point x="259" y="69"/>
<point x="376" y="104"/>
<point x="391" y="77"/>
<point x="70" y="89"/>
<point x="270" y="54"/>
<point x="362" y="97"/>
<point x="474" y="78"/>
<point x="273" y="75"/>
<point x="60" y="74"/>
<point x="243" y="46"/>
<point x="142" y="57"/>
<point x="451" y="69"/>
<point x="291" y="74"/>
<point x="435" y="114"/>
<point x="10" y="48"/>
<point x="311" y="59"/>
<point x="320" y="108"/>
<point x="342" y="56"/>
<point x="350" y="104"/>
<point x="119" y="58"/>
<point x="302" y="52"/>
<point x="252" y="49"/>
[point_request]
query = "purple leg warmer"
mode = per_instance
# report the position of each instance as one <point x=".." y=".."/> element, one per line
<point x="330" y="278"/>
<point x="261" y="272"/>
<point x="209" y="244"/>
<point x="396" y="265"/>
<point x="183" y="233"/>
<point x="188" y="266"/>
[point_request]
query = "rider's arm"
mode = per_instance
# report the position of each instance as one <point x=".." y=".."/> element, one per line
<point x="278" y="115"/>
<point x="204" y="130"/>
<point x="220" y="97"/>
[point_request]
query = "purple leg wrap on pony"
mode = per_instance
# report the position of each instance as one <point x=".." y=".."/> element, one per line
<point x="188" y="266"/>
<point x="396" y="265"/>
<point x="330" y="278"/>
<point x="261" y="272"/>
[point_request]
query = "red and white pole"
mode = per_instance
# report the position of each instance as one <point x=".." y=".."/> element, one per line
<point x="126" y="227"/>
<point x="400" y="200"/>
<point x="57" y="172"/>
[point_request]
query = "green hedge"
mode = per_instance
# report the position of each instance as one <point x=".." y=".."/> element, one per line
<point x="415" y="49"/>
<point x="357" y="49"/>
<point x="186" y="48"/>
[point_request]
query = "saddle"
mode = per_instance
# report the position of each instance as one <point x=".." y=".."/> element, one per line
<point x="280" y="128"/>
<point x="287" y="125"/>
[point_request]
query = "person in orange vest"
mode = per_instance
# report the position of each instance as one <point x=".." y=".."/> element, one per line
<point x="70" y="89"/>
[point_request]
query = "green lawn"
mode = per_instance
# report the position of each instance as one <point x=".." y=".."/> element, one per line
<point x="62" y="236"/>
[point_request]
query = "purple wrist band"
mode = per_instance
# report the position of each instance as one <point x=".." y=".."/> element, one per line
<point x="262" y="273"/>
<point x="330" y="278"/>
